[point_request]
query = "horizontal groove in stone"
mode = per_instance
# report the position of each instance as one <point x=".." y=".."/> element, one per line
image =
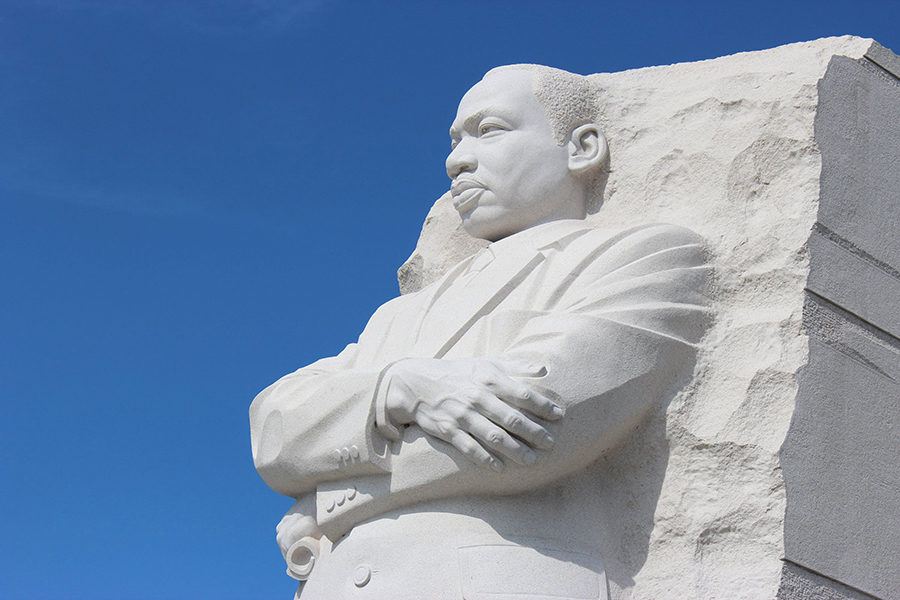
<point x="855" y="250"/>
<point x="869" y="330"/>
<point x="885" y="59"/>
<point x="831" y="579"/>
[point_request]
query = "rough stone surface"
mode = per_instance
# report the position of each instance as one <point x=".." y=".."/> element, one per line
<point x="726" y="147"/>
<point x="443" y="243"/>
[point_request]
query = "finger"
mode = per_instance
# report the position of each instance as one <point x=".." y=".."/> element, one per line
<point x="513" y="421"/>
<point x="523" y="396"/>
<point x="284" y="542"/>
<point x="281" y="531"/>
<point x="460" y="440"/>
<point x="500" y="441"/>
<point x="474" y="451"/>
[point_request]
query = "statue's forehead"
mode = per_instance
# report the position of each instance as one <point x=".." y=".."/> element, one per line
<point x="508" y="84"/>
<point x="509" y="90"/>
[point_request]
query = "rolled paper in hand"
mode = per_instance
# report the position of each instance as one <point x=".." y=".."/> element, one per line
<point x="301" y="558"/>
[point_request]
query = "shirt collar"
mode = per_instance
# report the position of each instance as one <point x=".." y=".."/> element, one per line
<point x="543" y="235"/>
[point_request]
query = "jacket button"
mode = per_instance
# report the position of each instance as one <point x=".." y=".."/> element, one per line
<point x="341" y="499"/>
<point x="361" y="575"/>
<point x="329" y="506"/>
<point x="337" y="455"/>
<point x="351" y="493"/>
<point x="354" y="452"/>
<point x="345" y="453"/>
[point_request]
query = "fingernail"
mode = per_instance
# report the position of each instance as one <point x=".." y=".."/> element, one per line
<point x="530" y="457"/>
<point x="557" y="411"/>
<point x="496" y="465"/>
<point x="548" y="441"/>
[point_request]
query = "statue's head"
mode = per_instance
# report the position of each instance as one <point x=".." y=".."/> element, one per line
<point x="526" y="150"/>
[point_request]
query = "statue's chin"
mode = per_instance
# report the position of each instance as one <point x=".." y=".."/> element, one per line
<point x="481" y="224"/>
<point x="482" y="231"/>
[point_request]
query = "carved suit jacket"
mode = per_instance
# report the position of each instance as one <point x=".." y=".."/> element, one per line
<point x="613" y="317"/>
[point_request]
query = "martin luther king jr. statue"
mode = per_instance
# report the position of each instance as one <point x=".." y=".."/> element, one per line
<point x="439" y="456"/>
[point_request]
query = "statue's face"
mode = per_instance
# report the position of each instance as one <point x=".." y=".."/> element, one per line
<point x="508" y="171"/>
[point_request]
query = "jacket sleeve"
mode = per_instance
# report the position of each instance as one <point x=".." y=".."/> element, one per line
<point x="317" y="424"/>
<point x="618" y="340"/>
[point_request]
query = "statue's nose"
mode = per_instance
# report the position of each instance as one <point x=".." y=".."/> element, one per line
<point x="460" y="161"/>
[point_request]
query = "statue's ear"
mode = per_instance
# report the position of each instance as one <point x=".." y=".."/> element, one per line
<point x="587" y="148"/>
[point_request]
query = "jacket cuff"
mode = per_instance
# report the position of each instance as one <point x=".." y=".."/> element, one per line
<point x="383" y="423"/>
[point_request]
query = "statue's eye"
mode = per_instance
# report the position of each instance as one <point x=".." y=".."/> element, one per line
<point x="489" y="127"/>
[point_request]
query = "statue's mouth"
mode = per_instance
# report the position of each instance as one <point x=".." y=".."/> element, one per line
<point x="467" y="199"/>
<point x="466" y="191"/>
<point x="464" y="183"/>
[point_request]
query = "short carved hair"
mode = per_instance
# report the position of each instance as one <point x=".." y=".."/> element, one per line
<point x="569" y="100"/>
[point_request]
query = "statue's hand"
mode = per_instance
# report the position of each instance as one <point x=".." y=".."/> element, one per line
<point x="473" y="404"/>
<point x="297" y="523"/>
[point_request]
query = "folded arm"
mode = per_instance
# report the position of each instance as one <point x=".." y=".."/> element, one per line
<point x="317" y="425"/>
<point x="620" y="341"/>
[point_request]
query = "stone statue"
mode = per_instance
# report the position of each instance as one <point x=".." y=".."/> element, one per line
<point x="441" y="456"/>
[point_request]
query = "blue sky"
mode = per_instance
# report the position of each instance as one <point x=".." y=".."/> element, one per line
<point x="198" y="197"/>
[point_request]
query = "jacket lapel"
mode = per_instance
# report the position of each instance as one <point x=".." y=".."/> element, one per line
<point x="464" y="296"/>
<point x="483" y="293"/>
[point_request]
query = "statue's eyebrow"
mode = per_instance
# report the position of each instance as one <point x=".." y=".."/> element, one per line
<point x="472" y="121"/>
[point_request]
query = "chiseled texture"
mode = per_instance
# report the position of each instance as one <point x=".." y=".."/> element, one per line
<point x="727" y="148"/>
<point x="443" y="243"/>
